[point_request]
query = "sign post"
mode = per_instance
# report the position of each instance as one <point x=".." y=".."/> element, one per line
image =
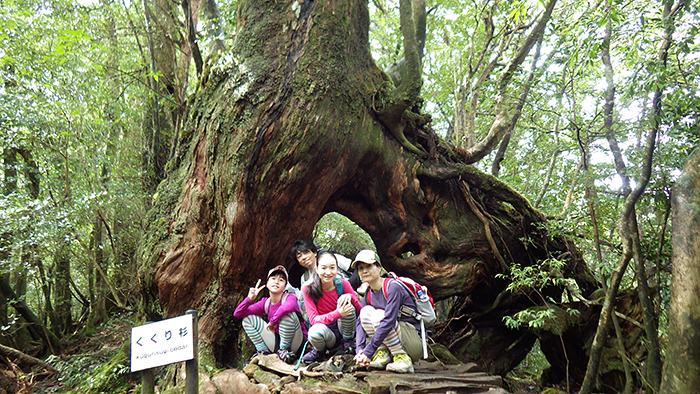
<point x="192" y="365"/>
<point x="148" y="381"/>
<point x="166" y="342"/>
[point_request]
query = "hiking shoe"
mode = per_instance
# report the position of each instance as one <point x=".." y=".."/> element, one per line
<point x="312" y="356"/>
<point x="264" y="352"/>
<point x="380" y="360"/>
<point x="402" y="364"/>
<point x="286" y="355"/>
<point x="348" y="345"/>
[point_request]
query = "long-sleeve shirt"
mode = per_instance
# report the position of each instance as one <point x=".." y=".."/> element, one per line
<point x="289" y="305"/>
<point x="397" y="296"/>
<point x="325" y="310"/>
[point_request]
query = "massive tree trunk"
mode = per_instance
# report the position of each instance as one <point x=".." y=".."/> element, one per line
<point x="682" y="366"/>
<point x="292" y="124"/>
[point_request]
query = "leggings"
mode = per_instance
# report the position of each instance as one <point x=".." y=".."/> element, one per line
<point x="325" y="336"/>
<point x="402" y="339"/>
<point x="289" y="331"/>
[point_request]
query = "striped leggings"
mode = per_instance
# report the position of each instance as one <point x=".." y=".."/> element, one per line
<point x="402" y="339"/>
<point x="322" y="337"/>
<point x="290" y="333"/>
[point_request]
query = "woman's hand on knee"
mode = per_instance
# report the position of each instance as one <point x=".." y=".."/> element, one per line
<point x="345" y="310"/>
<point x="344" y="299"/>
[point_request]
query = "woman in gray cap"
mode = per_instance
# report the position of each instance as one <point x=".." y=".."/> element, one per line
<point x="384" y="334"/>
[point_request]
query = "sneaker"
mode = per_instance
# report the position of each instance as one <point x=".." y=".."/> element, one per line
<point x="312" y="356"/>
<point x="286" y="355"/>
<point x="402" y="364"/>
<point x="348" y="345"/>
<point x="380" y="360"/>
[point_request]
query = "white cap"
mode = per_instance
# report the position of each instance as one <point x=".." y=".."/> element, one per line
<point x="365" y="256"/>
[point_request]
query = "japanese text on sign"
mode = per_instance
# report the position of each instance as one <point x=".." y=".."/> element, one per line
<point x="161" y="343"/>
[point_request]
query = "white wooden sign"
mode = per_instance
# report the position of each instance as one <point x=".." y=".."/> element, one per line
<point x="161" y="343"/>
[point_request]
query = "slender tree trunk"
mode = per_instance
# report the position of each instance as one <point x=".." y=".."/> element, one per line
<point x="547" y="178"/>
<point x="660" y="249"/>
<point x="591" y="197"/>
<point x="10" y="186"/>
<point x="628" y="209"/>
<point x="604" y="323"/>
<point x="524" y="92"/>
<point x="152" y="157"/>
<point x="653" y="363"/>
<point x="29" y="250"/>
<point x="503" y="107"/>
<point x="98" y="296"/>
<point x="62" y="297"/>
<point x="46" y="285"/>
<point x="171" y="50"/>
<point x="570" y="193"/>
<point x="22" y="335"/>
<point x="214" y="30"/>
<point x="681" y="371"/>
<point x="629" y="379"/>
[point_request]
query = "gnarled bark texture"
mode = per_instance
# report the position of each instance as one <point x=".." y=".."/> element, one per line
<point x="285" y="129"/>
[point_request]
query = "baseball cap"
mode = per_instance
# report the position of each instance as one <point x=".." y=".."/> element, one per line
<point x="281" y="269"/>
<point x="365" y="256"/>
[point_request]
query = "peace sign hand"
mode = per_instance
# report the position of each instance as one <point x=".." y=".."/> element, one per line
<point x="254" y="291"/>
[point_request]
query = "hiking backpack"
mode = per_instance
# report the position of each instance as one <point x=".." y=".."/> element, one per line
<point x="425" y="305"/>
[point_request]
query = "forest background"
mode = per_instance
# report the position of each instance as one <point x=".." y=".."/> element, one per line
<point x="95" y="95"/>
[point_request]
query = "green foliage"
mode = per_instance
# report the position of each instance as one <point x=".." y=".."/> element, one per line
<point x="340" y="233"/>
<point x="86" y="375"/>
<point x="551" y="316"/>
<point x="71" y="102"/>
<point x="73" y="94"/>
<point x="538" y="276"/>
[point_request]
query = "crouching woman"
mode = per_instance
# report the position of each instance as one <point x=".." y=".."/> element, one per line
<point x="273" y="323"/>
<point x="383" y="333"/>
<point x="332" y="306"/>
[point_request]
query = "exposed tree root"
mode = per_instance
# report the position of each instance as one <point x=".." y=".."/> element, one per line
<point x="24" y="359"/>
<point x="487" y="227"/>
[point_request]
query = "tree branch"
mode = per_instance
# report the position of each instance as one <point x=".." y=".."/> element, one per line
<point x="502" y="108"/>
<point x="408" y="91"/>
